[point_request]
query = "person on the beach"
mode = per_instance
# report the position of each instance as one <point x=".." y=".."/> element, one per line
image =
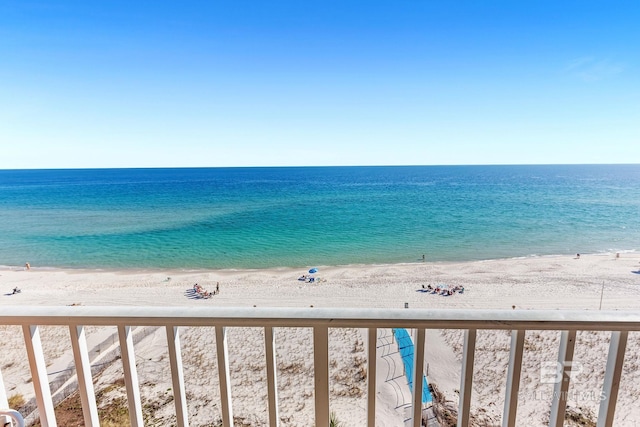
<point x="217" y="287"/>
<point x="578" y="256"/>
<point x="27" y="266"/>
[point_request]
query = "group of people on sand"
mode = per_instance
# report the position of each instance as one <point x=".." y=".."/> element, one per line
<point x="309" y="279"/>
<point x="443" y="289"/>
<point x="203" y="293"/>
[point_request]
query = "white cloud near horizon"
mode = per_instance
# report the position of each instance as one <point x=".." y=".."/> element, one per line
<point x="591" y="69"/>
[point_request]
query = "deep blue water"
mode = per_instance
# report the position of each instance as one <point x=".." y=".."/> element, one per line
<point x="270" y="217"/>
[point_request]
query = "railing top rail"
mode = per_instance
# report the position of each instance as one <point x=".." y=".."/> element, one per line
<point x="331" y="317"/>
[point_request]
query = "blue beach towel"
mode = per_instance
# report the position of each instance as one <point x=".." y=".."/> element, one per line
<point x="405" y="347"/>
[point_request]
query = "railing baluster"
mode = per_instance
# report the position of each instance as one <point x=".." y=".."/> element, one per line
<point x="372" y="357"/>
<point x="272" y="378"/>
<point x="223" y="373"/>
<point x="418" y="372"/>
<point x="513" y="378"/>
<point x="466" y="377"/>
<point x="39" y="375"/>
<point x="321" y="374"/>
<point x="565" y="361"/>
<point x="83" y="373"/>
<point x="615" y="360"/>
<point x="177" y="375"/>
<point x="130" y="375"/>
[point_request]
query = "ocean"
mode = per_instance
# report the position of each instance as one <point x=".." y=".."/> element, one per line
<point x="206" y="218"/>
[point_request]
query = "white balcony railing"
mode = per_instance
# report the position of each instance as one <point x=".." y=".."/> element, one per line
<point x="320" y="320"/>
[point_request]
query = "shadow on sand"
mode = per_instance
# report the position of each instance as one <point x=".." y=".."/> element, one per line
<point x="192" y="294"/>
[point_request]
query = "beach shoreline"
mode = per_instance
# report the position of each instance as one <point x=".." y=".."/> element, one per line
<point x="545" y="282"/>
<point x="625" y="253"/>
<point x="590" y="282"/>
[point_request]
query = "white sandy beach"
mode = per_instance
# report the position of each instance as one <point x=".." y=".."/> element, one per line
<point x="554" y="282"/>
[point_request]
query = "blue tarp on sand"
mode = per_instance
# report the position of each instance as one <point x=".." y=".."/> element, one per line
<point x="405" y="346"/>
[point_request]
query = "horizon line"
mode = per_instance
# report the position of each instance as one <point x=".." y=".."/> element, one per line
<point x="318" y="166"/>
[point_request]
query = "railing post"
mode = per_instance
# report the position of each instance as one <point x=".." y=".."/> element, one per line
<point x="39" y="375"/>
<point x="565" y="360"/>
<point x="83" y="373"/>
<point x="418" y="372"/>
<point x="321" y="374"/>
<point x="615" y="361"/>
<point x="223" y="373"/>
<point x="177" y="376"/>
<point x="372" y="357"/>
<point x="130" y="375"/>
<point x="513" y="378"/>
<point x="466" y="377"/>
<point x="272" y="378"/>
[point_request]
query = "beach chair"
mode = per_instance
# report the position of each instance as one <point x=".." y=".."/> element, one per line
<point x="5" y="414"/>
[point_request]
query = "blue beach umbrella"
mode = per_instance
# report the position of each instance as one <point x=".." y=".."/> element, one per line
<point x="313" y="270"/>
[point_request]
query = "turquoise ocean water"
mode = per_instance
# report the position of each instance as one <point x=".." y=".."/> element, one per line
<point x="307" y="216"/>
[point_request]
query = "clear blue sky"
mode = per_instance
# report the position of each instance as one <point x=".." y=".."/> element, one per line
<point x="246" y="83"/>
